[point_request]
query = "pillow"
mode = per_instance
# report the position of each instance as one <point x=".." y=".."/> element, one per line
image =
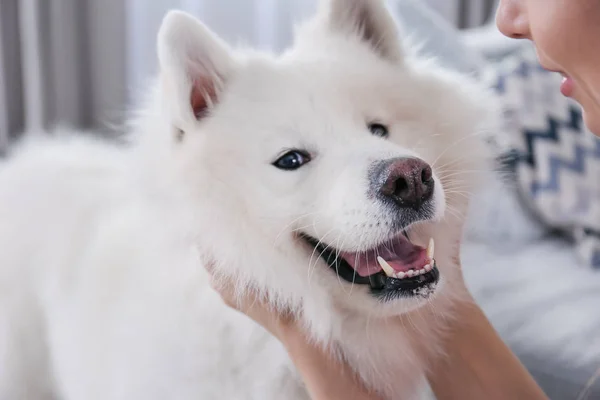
<point x="554" y="159"/>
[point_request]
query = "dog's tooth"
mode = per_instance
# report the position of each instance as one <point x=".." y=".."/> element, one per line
<point x="428" y="267"/>
<point x="430" y="249"/>
<point x="400" y="275"/>
<point x="410" y="273"/>
<point x="387" y="268"/>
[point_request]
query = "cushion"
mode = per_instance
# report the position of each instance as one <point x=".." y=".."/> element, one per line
<point x="553" y="158"/>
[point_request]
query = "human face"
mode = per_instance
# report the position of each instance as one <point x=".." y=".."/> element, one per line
<point x="566" y="34"/>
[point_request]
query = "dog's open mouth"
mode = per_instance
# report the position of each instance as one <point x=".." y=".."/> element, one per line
<point x="394" y="269"/>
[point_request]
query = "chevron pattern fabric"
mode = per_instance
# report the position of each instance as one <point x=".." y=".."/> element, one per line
<point x="554" y="159"/>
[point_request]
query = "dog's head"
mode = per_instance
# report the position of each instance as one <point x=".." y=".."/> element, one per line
<point x="321" y="173"/>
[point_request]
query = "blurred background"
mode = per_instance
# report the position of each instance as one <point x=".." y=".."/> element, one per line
<point x="78" y="62"/>
<point x="531" y="254"/>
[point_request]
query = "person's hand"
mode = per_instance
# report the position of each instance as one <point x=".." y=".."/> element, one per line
<point x="325" y="377"/>
<point x="278" y="323"/>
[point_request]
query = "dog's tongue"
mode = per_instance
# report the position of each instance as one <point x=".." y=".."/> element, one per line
<point x="401" y="254"/>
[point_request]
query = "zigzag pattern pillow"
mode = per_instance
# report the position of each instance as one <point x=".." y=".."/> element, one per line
<point x="555" y="160"/>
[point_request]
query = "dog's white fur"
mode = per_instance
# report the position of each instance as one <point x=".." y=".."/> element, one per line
<point x="103" y="290"/>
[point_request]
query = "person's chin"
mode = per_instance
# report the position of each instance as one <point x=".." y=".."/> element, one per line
<point x="590" y="109"/>
<point x="591" y="114"/>
<point x="591" y="118"/>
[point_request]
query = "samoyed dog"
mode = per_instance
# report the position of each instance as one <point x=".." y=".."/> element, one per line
<point x="320" y="178"/>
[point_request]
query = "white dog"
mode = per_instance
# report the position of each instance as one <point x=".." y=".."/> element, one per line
<point x="317" y="178"/>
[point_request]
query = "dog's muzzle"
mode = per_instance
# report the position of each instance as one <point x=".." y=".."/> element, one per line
<point x="393" y="270"/>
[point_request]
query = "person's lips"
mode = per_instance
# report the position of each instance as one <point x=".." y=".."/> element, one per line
<point x="567" y="86"/>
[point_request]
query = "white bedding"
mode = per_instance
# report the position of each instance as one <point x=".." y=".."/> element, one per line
<point x="538" y="298"/>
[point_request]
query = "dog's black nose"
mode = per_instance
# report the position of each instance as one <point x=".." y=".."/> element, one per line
<point x="406" y="181"/>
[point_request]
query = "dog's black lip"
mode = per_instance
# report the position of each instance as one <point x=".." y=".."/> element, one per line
<point x="381" y="285"/>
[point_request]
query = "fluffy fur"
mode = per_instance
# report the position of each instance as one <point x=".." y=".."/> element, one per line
<point x="103" y="290"/>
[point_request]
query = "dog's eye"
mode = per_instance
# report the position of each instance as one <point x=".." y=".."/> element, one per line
<point x="292" y="160"/>
<point x="378" y="129"/>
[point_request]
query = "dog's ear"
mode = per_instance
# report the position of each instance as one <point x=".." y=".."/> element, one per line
<point x="370" y="20"/>
<point x="195" y="65"/>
